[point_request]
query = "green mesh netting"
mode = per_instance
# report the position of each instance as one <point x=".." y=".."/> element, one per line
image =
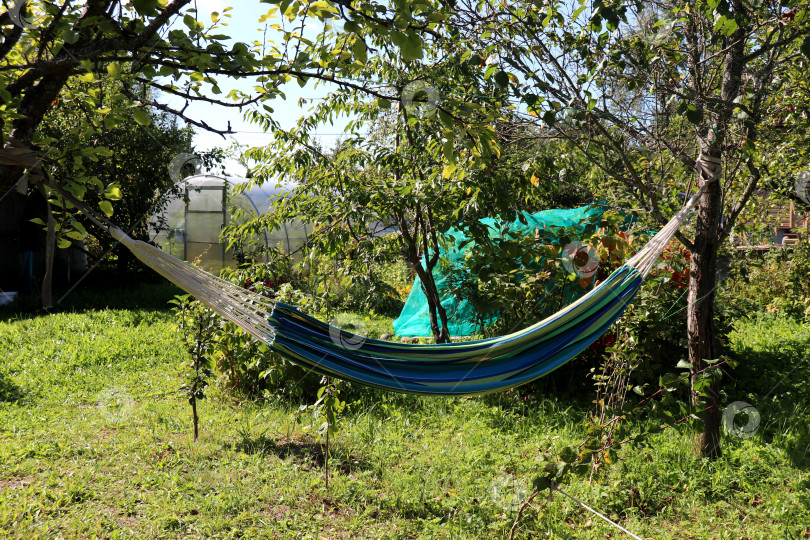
<point x="461" y="317"/>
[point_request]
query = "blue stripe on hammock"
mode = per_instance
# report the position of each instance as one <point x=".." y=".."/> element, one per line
<point x="393" y="374"/>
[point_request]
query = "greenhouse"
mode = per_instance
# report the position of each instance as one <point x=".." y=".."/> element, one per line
<point x="189" y="227"/>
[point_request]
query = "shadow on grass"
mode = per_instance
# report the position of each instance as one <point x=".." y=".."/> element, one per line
<point x="9" y="391"/>
<point x="302" y="451"/>
<point x="102" y="290"/>
<point x="772" y="375"/>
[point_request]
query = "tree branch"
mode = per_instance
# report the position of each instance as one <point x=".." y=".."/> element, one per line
<point x="176" y="112"/>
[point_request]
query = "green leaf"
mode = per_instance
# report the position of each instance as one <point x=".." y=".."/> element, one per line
<point x="70" y="36"/>
<point x="141" y="117"/>
<point x="447" y="150"/>
<point x="106" y="207"/>
<point x="446" y="119"/>
<point x="568" y="454"/>
<point x="189" y="21"/>
<point x="114" y="69"/>
<point x="113" y="193"/>
<point x="668" y="379"/>
<point x="111" y="121"/>
<point x="683" y="364"/>
<point x="78" y="226"/>
<point x="63" y="243"/>
<point x="146" y="7"/>
<point x="541" y="483"/>
<point x="694" y="115"/>
<point x="360" y="50"/>
<point x="77" y="190"/>
<point x="409" y="46"/>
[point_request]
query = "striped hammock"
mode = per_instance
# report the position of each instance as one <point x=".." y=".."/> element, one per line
<point x="460" y="368"/>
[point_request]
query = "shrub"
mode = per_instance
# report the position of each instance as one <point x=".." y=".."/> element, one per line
<point x="520" y="279"/>
<point x="778" y="283"/>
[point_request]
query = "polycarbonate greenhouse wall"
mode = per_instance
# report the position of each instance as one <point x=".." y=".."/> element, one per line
<point x="192" y="231"/>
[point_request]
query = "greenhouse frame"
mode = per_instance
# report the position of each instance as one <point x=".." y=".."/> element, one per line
<point x="190" y="225"/>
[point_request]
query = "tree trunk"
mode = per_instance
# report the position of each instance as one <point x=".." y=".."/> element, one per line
<point x="410" y="243"/>
<point x="46" y="296"/>
<point x="195" y="418"/>
<point x="700" y="313"/>
<point x="436" y="311"/>
<point x="326" y="460"/>
<point x="439" y="327"/>
<point x="702" y="282"/>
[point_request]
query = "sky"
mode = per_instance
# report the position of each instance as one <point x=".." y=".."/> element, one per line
<point x="244" y="24"/>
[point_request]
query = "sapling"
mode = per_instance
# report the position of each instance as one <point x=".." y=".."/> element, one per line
<point x="325" y="410"/>
<point x="197" y="325"/>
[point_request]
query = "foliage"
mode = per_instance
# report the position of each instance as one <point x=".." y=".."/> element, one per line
<point x="637" y="101"/>
<point x="247" y="368"/>
<point x="524" y="279"/>
<point x="326" y="410"/>
<point x="636" y="382"/>
<point x="636" y="94"/>
<point x="776" y="283"/>
<point x="131" y="169"/>
<point x="405" y="168"/>
<point x="122" y="62"/>
<point x="324" y="414"/>
<point x="250" y="369"/>
<point x="365" y="279"/>
<point x="639" y="355"/>
<point x="655" y="322"/>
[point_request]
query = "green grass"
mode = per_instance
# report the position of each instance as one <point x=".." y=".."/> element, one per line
<point x="95" y="442"/>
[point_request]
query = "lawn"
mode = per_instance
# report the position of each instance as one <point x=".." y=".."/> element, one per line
<point x="95" y="443"/>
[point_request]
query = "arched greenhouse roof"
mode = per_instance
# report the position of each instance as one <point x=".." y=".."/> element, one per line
<point x="192" y="231"/>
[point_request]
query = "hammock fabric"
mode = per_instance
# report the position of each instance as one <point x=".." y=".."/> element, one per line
<point x="472" y="367"/>
<point x="461" y="368"/>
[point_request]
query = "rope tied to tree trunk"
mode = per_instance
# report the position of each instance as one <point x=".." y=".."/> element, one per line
<point x="709" y="167"/>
